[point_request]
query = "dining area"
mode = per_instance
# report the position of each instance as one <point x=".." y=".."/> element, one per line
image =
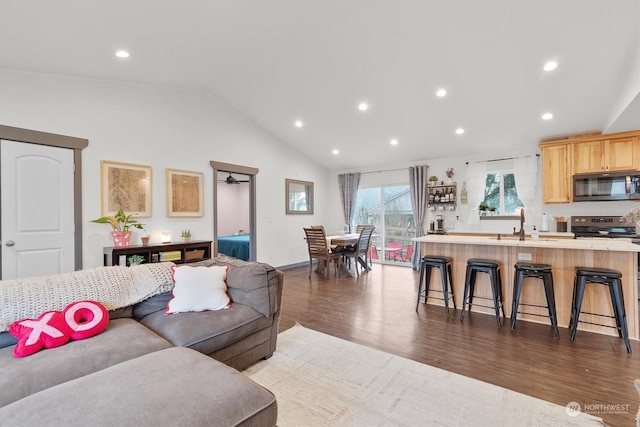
<point x="347" y="251"/>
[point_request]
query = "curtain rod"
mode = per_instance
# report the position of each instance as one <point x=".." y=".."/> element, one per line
<point x="505" y="158"/>
<point x="385" y="170"/>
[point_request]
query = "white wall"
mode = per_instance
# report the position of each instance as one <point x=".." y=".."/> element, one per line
<point x="165" y="127"/>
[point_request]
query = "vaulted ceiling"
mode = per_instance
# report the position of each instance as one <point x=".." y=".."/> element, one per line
<point x="315" y="61"/>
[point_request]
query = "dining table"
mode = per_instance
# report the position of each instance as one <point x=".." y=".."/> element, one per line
<point x="338" y="242"/>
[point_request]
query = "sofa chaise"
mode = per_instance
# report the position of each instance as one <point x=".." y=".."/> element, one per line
<point x="147" y="367"/>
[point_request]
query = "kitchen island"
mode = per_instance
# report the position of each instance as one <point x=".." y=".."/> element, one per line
<point x="563" y="255"/>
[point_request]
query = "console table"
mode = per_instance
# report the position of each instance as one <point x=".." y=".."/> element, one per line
<point x="179" y="253"/>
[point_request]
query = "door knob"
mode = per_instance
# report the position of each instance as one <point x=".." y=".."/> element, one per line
<point x="10" y="243"/>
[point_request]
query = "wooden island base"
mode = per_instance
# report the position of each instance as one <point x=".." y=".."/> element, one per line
<point x="563" y="259"/>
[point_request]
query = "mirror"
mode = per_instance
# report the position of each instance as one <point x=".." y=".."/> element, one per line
<point x="299" y="197"/>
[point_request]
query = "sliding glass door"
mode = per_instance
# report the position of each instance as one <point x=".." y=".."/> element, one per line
<point x="389" y="209"/>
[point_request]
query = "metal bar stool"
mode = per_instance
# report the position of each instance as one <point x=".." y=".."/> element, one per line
<point x="443" y="263"/>
<point x="492" y="268"/>
<point x="538" y="271"/>
<point x="607" y="277"/>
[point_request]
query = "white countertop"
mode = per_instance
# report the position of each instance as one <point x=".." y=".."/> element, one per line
<point x="543" y="234"/>
<point x="597" y="244"/>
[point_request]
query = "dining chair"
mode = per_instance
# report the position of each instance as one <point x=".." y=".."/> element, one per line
<point x="361" y="249"/>
<point x="372" y="251"/>
<point x="318" y="248"/>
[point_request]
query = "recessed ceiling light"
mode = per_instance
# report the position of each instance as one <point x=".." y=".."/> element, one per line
<point x="335" y="152"/>
<point x="363" y="106"/>
<point x="298" y="124"/>
<point x="547" y="116"/>
<point x="122" y="54"/>
<point x="459" y="131"/>
<point x="441" y="92"/>
<point x="551" y="65"/>
<point x="394" y="142"/>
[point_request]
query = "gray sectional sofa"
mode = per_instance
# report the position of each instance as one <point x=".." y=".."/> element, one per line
<point x="149" y="368"/>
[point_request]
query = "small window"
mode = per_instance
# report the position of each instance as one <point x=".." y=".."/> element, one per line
<point x="500" y="192"/>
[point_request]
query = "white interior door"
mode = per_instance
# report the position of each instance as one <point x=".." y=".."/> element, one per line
<point x="37" y="209"/>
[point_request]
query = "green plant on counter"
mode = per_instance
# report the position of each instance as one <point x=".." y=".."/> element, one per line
<point x="484" y="206"/>
<point x="185" y="233"/>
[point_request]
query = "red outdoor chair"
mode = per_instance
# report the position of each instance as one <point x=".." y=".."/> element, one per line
<point x="407" y="255"/>
<point x="373" y="253"/>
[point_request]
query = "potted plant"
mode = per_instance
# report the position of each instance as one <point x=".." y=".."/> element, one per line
<point x="433" y="179"/>
<point x="120" y="225"/>
<point x="186" y="234"/>
<point x="483" y="208"/>
<point x="492" y="210"/>
<point x="135" y="260"/>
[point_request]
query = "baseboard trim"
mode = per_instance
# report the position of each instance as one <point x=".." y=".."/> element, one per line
<point x="289" y="266"/>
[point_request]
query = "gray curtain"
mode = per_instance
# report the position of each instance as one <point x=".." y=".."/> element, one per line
<point x="419" y="193"/>
<point x="348" y="185"/>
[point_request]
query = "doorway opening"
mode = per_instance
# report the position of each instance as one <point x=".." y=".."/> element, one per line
<point x="234" y="210"/>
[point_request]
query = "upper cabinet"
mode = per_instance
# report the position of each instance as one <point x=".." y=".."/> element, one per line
<point x="605" y="155"/>
<point x="563" y="158"/>
<point x="556" y="173"/>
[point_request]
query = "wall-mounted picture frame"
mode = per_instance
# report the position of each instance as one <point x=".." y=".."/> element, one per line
<point x="185" y="193"/>
<point x="298" y="197"/>
<point x="125" y="186"/>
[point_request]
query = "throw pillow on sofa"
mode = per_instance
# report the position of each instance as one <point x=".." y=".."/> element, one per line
<point x="78" y="321"/>
<point x="199" y="289"/>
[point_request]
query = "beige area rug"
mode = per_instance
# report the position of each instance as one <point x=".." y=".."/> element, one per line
<point x="637" y="384"/>
<point x="320" y="380"/>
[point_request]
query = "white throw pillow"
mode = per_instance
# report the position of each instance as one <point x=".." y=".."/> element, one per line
<point x="199" y="289"/>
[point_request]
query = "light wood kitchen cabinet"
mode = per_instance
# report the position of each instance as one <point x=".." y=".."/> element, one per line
<point x="588" y="153"/>
<point x="616" y="154"/>
<point x="556" y="173"/>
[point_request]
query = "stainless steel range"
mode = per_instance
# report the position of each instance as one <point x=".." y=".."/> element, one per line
<point x="602" y="227"/>
<point x="607" y="227"/>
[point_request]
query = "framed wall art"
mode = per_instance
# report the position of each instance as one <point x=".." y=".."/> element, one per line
<point x="125" y="186"/>
<point x="185" y="193"/>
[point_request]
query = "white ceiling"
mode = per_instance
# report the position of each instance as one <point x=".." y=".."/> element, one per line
<point x="314" y="60"/>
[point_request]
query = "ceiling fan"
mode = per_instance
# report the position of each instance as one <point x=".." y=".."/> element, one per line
<point x="231" y="180"/>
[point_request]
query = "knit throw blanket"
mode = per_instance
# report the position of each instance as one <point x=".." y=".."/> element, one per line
<point x="114" y="287"/>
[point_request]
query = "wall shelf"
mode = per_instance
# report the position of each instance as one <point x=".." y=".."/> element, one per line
<point x="443" y="195"/>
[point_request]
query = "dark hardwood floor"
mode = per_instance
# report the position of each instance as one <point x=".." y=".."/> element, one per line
<point x="378" y="310"/>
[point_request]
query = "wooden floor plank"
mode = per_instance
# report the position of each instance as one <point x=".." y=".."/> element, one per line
<point x="378" y="310"/>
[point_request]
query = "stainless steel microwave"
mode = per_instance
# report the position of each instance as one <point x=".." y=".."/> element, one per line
<point x="606" y="186"/>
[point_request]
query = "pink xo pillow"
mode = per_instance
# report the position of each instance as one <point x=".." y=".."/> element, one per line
<point x="79" y="320"/>
<point x="199" y="289"/>
<point x="86" y="319"/>
<point x="49" y="330"/>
